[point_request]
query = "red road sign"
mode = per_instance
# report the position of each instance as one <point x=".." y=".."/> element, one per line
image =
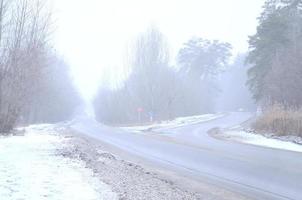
<point x="140" y="109"/>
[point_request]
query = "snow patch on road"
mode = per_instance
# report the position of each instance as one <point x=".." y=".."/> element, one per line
<point x="259" y="140"/>
<point x="31" y="169"/>
<point x="176" y="123"/>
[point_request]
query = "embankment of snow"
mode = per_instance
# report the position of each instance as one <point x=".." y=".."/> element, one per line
<point x="176" y="123"/>
<point x="259" y="140"/>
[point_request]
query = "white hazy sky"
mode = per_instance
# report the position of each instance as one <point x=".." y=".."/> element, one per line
<point x="93" y="34"/>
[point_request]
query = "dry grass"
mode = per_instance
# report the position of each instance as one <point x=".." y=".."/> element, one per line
<point x="280" y="121"/>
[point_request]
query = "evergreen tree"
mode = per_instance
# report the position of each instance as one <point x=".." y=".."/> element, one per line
<point x="275" y="54"/>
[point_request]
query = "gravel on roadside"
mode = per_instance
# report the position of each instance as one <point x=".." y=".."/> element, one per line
<point x="130" y="181"/>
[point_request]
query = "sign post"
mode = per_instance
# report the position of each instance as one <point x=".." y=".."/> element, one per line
<point x="151" y="116"/>
<point x="139" y="114"/>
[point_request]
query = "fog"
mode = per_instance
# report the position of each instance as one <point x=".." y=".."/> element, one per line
<point x="234" y="94"/>
<point x="145" y="61"/>
<point x="161" y="99"/>
<point x="95" y="35"/>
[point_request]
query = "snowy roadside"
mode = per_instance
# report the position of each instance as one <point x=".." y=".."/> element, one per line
<point x="31" y="168"/>
<point x="54" y="162"/>
<point x="176" y="123"/>
<point x="239" y="134"/>
<point x="129" y="180"/>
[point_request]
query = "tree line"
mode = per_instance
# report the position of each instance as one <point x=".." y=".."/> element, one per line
<point x="189" y="87"/>
<point x="154" y="89"/>
<point x="30" y="69"/>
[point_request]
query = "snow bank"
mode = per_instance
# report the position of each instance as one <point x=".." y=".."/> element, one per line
<point x="30" y="169"/>
<point x="178" y="122"/>
<point x="260" y="140"/>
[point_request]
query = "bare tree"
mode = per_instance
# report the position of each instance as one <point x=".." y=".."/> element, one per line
<point x="24" y="43"/>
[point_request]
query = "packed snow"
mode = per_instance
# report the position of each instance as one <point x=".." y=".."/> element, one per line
<point x="31" y="169"/>
<point x="259" y="140"/>
<point x="178" y="122"/>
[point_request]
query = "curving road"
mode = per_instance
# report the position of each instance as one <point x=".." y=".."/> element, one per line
<point x="257" y="172"/>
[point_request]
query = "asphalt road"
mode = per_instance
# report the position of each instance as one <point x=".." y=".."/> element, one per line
<point x="258" y="172"/>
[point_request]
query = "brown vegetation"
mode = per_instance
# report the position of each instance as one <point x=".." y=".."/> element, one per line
<point x="280" y="120"/>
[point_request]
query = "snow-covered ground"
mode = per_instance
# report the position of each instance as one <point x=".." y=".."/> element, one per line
<point x="178" y="122"/>
<point x="259" y="140"/>
<point x="31" y="169"/>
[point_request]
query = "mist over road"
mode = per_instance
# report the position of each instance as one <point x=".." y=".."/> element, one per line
<point x="257" y="172"/>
